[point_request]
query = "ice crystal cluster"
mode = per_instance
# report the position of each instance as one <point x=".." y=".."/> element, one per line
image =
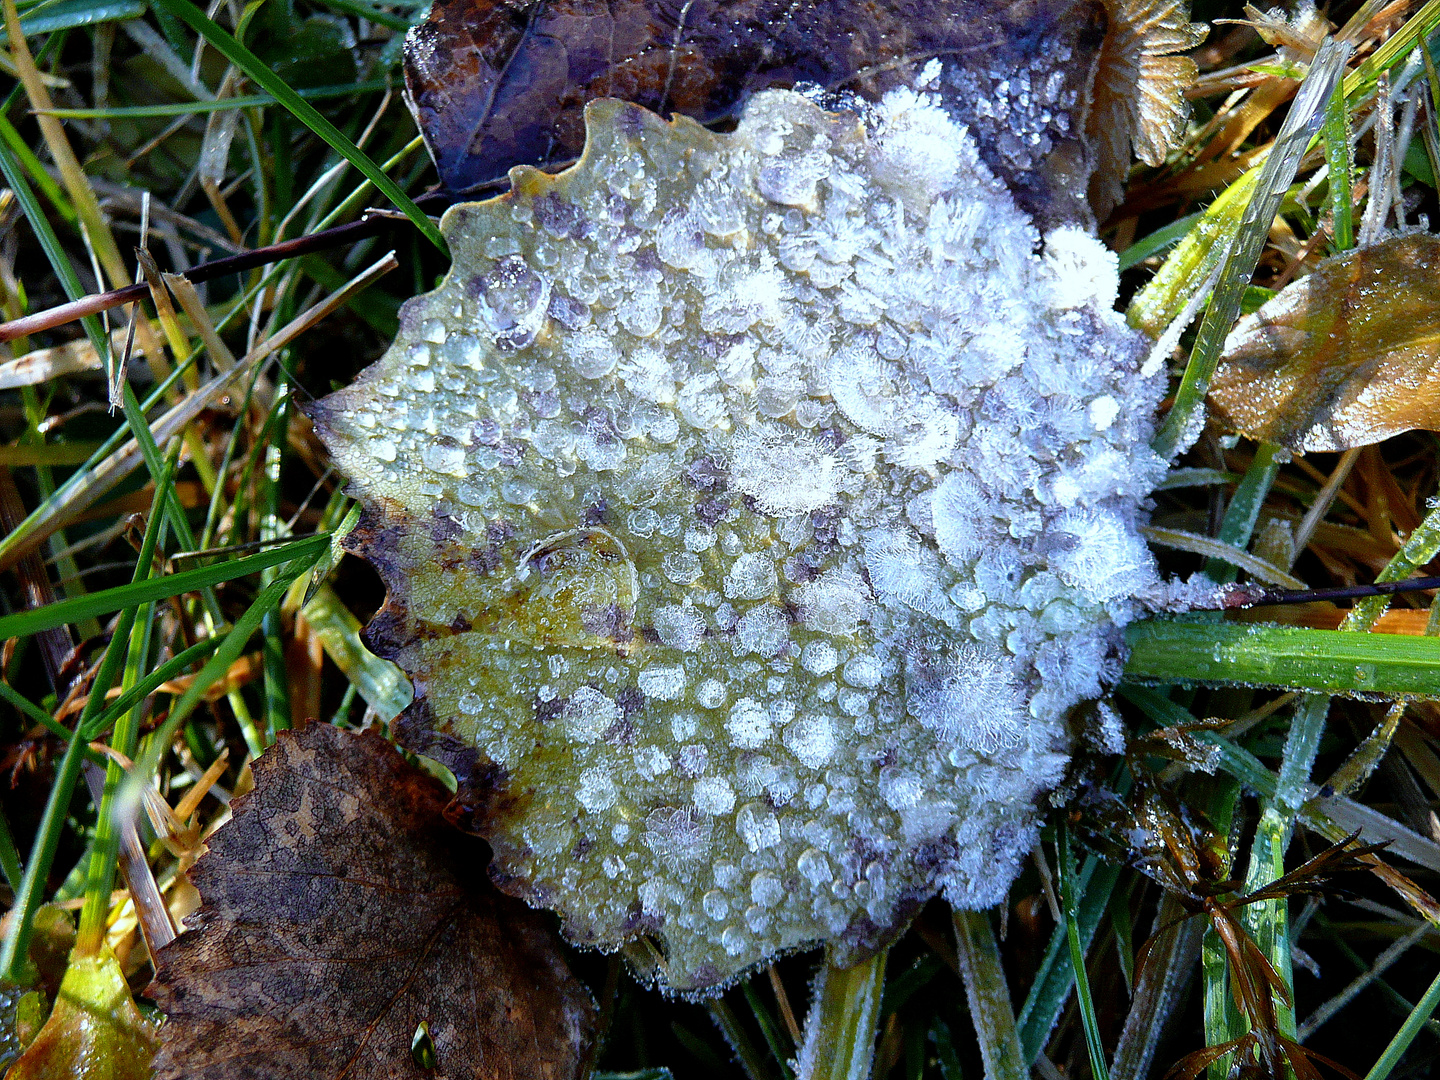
<point x="758" y="505"/>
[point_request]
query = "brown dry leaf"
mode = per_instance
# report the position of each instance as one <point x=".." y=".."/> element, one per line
<point x="341" y="910"/>
<point x="494" y="85"/>
<point x="1345" y="357"/>
<point x="1139" y="91"/>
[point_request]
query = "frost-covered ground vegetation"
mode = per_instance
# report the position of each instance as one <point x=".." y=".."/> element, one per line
<point x="760" y="504"/>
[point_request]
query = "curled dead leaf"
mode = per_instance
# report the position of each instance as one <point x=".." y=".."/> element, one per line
<point x="1139" y="91"/>
<point x="495" y="85"/>
<point x="341" y="911"/>
<point x="1344" y="357"/>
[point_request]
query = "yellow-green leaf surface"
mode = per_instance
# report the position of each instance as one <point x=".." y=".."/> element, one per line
<point x="94" y="1031"/>
<point x="753" y="508"/>
<point x="1348" y="355"/>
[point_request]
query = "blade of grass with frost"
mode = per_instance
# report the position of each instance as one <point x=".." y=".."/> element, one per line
<point x="1340" y="163"/>
<point x="1284" y="657"/>
<point x="63" y="612"/>
<point x="1244" y="511"/>
<point x="15" y="949"/>
<point x="1422" y="545"/>
<point x="1055" y="977"/>
<point x="988" y="996"/>
<point x="302" y="110"/>
<point x="1219" y="551"/>
<point x="1273" y="181"/>
<point x="1222" y="1019"/>
<point x="1070" y="899"/>
<point x="1335" y="817"/>
<point x="1160" y="987"/>
<point x="381" y="683"/>
<point x="839" y="1036"/>
<point x="1267" y="920"/>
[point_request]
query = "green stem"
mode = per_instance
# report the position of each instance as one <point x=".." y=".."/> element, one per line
<point x="1276" y="175"/>
<point x="9" y="855"/>
<point x="989" y="996"/>
<point x="14" y="952"/>
<point x="1406" y="1035"/>
<point x="839" y="1038"/>
<point x="1069" y="895"/>
<point x="91" y="935"/>
<point x="1292" y="658"/>
<point x="729" y="1024"/>
<point x="1244" y="509"/>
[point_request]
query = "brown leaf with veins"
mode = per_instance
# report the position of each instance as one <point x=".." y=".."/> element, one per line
<point x="341" y="909"/>
<point x="494" y="85"/>
<point x="1345" y="357"/>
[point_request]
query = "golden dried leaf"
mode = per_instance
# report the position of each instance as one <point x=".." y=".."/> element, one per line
<point x="1344" y="357"/>
<point x="1140" y="89"/>
<point x="341" y="910"/>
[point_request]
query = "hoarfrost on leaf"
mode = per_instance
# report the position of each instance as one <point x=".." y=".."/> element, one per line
<point x="754" y="543"/>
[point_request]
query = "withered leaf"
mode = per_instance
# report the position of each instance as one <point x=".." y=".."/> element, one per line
<point x="341" y="910"/>
<point x="1344" y="357"/>
<point x="494" y="85"/>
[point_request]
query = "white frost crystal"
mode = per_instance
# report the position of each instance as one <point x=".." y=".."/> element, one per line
<point x="760" y="504"/>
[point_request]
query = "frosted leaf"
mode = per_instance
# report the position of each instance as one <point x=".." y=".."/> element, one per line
<point x="835" y="603"/>
<point x="751" y="577"/>
<point x="784" y="470"/>
<point x="680" y="626"/>
<point x="776" y="510"/>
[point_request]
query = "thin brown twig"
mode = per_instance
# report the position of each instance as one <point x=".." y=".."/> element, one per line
<point x="372" y="223"/>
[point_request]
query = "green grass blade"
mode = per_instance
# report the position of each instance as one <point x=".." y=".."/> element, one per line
<point x="1420" y="547"/>
<point x="148" y="685"/>
<point x="1276" y="175"/>
<point x="775" y="1039"/>
<point x="64" y="612"/>
<point x="1070" y="898"/>
<point x="188" y="108"/>
<point x="1244" y="509"/>
<point x="1286" y="657"/>
<point x="1341" y="176"/>
<point x="1056" y="976"/>
<point x="9" y="855"/>
<point x="302" y="110"/>
<point x="215" y="668"/>
<point x="1160" y="240"/>
<point x="71" y="14"/>
<point x="989" y="997"/>
<point x="15" y="950"/>
<point x="1417" y="1019"/>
